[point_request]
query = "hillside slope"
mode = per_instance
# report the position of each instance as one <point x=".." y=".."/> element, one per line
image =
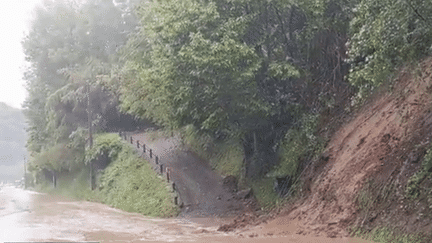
<point x="361" y="178"/>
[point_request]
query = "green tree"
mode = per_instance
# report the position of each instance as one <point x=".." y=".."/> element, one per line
<point x="384" y="35"/>
<point x="243" y="68"/>
<point x="69" y="47"/>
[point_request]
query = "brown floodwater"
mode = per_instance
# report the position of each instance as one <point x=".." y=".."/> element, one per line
<point x="31" y="216"/>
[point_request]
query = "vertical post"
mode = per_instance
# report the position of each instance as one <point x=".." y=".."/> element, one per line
<point x="161" y="168"/>
<point x="150" y="153"/>
<point x="138" y="144"/>
<point x="143" y="147"/>
<point x="168" y="175"/>
<point x="89" y="123"/>
<point x="131" y="139"/>
<point x="54" y="179"/>
<point x="157" y="159"/>
<point x="175" y="200"/>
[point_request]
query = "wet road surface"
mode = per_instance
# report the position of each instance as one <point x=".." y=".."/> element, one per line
<point x="31" y="216"/>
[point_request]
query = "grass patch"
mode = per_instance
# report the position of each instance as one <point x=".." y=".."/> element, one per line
<point x="129" y="183"/>
<point x="388" y="235"/>
<point x="365" y="197"/>
<point x="412" y="190"/>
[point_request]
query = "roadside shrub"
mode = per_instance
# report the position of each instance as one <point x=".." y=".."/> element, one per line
<point x="106" y="143"/>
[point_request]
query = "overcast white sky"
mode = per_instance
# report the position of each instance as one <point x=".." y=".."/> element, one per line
<point x="15" y="16"/>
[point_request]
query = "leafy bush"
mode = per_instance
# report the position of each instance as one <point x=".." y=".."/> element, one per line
<point x="58" y="157"/>
<point x="110" y="144"/>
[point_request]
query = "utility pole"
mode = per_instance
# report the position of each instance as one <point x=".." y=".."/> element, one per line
<point x="89" y="120"/>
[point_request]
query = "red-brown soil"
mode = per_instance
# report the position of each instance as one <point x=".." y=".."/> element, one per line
<point x="383" y="142"/>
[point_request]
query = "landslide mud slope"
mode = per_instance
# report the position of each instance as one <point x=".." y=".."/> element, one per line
<point x="382" y="142"/>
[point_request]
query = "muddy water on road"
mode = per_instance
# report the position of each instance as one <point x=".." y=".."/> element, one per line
<point x="30" y="216"/>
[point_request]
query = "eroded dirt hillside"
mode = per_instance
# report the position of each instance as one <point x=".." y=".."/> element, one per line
<point x="379" y="149"/>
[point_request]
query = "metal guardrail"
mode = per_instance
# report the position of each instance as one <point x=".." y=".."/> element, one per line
<point x="160" y="168"/>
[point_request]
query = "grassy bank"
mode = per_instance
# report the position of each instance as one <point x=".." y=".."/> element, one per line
<point x="128" y="183"/>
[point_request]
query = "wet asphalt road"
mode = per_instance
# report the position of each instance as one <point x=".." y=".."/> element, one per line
<point x="31" y="216"/>
<point x="27" y="216"/>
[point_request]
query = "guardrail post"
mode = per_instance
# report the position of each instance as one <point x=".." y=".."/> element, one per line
<point x="168" y="176"/>
<point x="125" y="136"/>
<point x="143" y="147"/>
<point x="137" y="143"/>
<point x="161" y="168"/>
<point x="131" y="140"/>
<point x="157" y="159"/>
<point x="151" y="153"/>
<point x="175" y="200"/>
<point x="173" y="186"/>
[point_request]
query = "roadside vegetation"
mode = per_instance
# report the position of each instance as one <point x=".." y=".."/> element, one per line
<point x="388" y="235"/>
<point x="128" y="182"/>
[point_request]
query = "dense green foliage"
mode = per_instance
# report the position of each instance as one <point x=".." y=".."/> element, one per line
<point x="385" y="35"/>
<point x="109" y="144"/>
<point x="234" y="69"/>
<point x="71" y="47"/>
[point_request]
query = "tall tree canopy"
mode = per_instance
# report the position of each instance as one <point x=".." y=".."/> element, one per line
<point x="241" y="66"/>
<point x="246" y="69"/>
<point x="384" y="35"/>
<point x="71" y="47"/>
